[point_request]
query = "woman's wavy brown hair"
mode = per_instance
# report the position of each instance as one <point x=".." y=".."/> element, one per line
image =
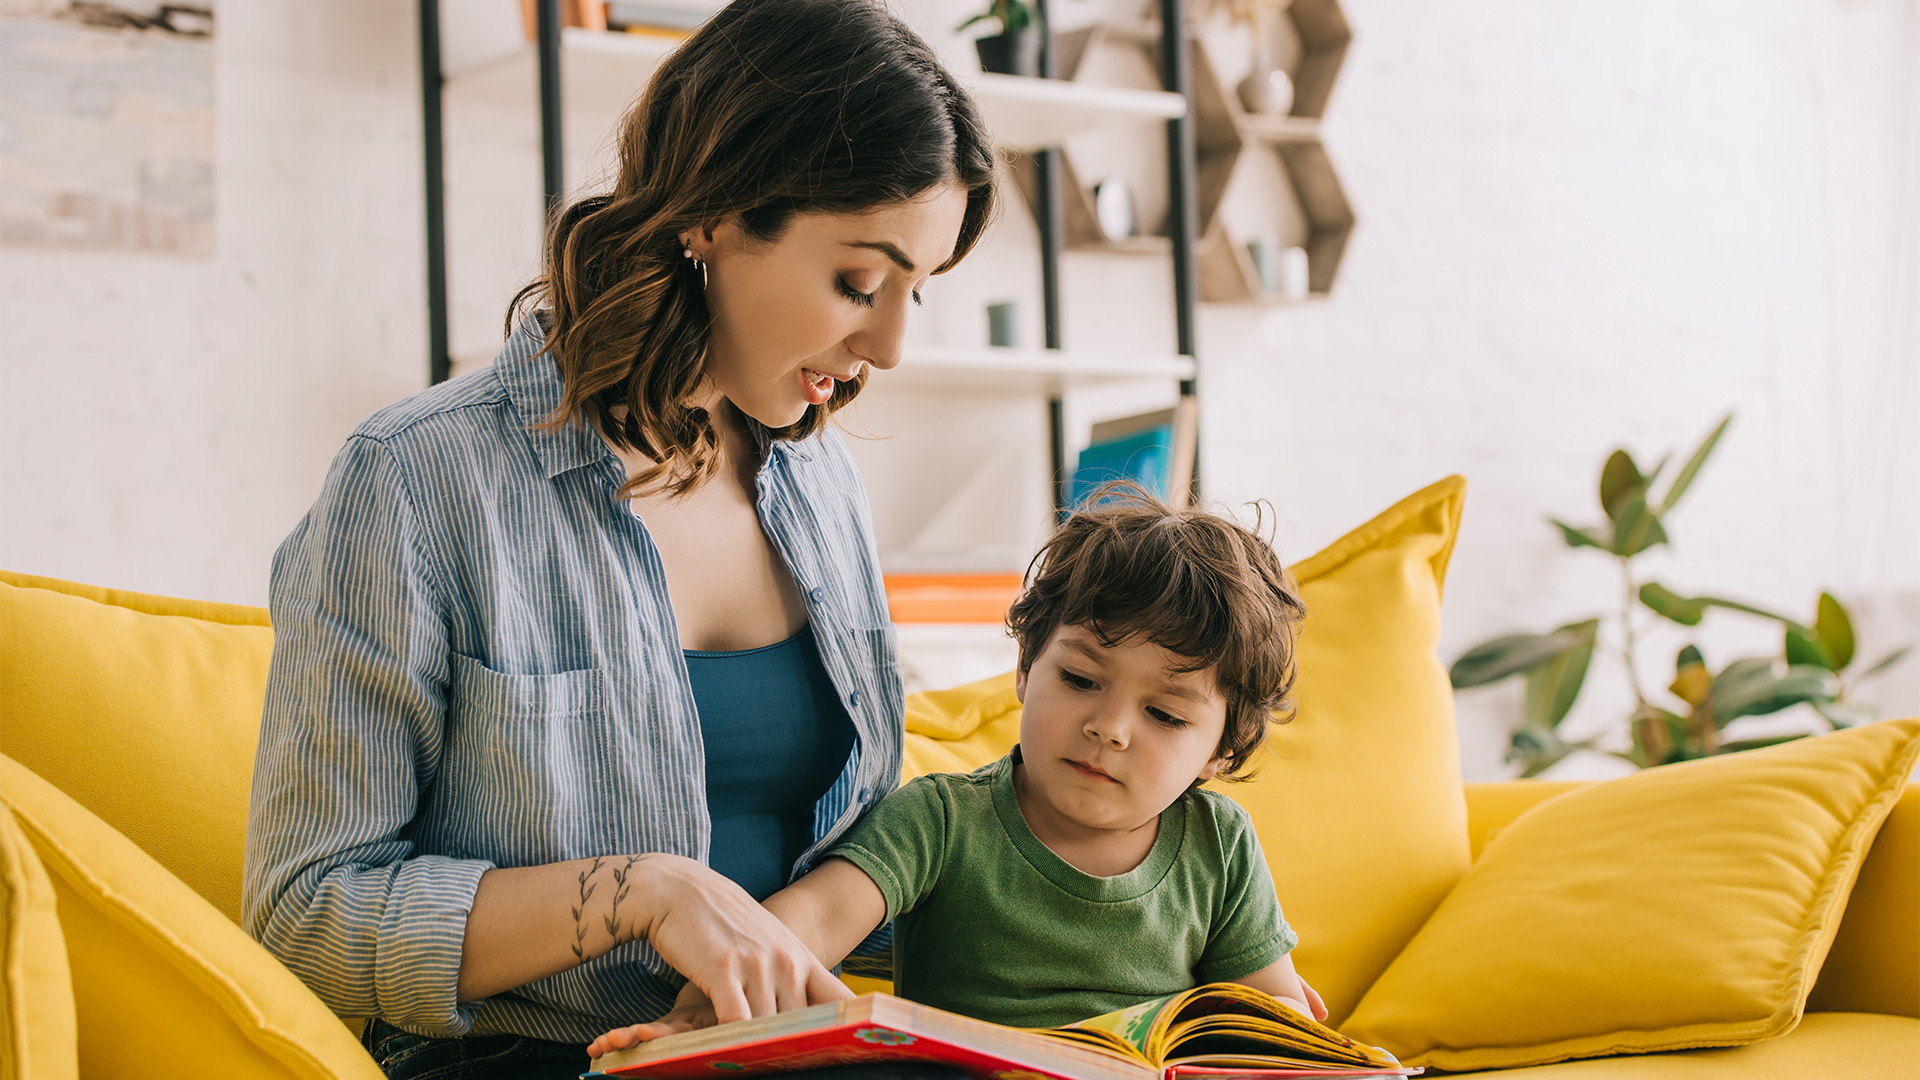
<point x="772" y="108"/>
<point x="1129" y="568"/>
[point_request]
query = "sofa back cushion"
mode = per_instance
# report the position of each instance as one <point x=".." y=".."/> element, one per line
<point x="144" y="709"/>
<point x="1358" y="799"/>
<point x="36" y="989"/>
<point x="163" y="984"/>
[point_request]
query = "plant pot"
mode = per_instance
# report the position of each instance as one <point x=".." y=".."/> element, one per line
<point x="1010" y="54"/>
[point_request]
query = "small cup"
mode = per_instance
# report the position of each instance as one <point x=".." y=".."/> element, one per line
<point x="1003" y="324"/>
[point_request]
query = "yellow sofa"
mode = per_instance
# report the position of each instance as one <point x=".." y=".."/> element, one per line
<point x="127" y="735"/>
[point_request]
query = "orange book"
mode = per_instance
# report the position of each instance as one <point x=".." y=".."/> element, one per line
<point x="951" y="598"/>
<point x="1220" y="1031"/>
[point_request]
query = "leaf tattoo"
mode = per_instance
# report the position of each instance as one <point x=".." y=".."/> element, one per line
<point x="587" y="887"/>
<point x="621" y="888"/>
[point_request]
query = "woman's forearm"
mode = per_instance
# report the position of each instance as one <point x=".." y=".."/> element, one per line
<point x="530" y="922"/>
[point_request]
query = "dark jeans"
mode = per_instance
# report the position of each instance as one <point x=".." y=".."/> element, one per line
<point x="403" y="1055"/>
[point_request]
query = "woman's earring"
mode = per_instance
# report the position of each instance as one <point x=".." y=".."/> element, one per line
<point x="698" y="264"/>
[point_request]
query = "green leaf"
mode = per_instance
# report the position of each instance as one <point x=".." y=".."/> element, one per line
<point x="1689" y="656"/>
<point x="1494" y="660"/>
<point x="1664" y="601"/>
<point x="1661" y="599"/>
<point x="1692" y="468"/>
<point x="1579" y="537"/>
<point x="1636" y="528"/>
<point x="1887" y="661"/>
<point x="1659" y="736"/>
<point x="1835" y="631"/>
<point x="1553" y="687"/>
<point x="1620" y="480"/>
<point x="1537" y="749"/>
<point x="1839" y="714"/>
<point x="1758" y="744"/>
<point x="1756" y="687"/>
<point x="1802" y="647"/>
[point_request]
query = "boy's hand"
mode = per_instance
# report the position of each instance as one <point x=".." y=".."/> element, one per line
<point x="691" y="1011"/>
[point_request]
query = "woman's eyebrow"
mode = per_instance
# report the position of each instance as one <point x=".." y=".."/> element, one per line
<point x="887" y="249"/>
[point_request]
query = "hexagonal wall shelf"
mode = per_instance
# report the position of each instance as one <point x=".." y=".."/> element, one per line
<point x="1272" y="167"/>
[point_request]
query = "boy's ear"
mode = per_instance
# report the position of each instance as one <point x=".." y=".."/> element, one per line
<point x="1211" y="769"/>
<point x="1020" y="685"/>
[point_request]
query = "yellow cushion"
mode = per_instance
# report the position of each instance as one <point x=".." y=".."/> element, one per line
<point x="1358" y="800"/>
<point x="143" y="708"/>
<point x="1830" y="1046"/>
<point x="163" y="984"/>
<point x="1684" y="906"/>
<point x="1874" y="965"/>
<point x="36" y="994"/>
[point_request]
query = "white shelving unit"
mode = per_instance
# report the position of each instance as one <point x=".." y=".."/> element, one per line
<point x="601" y="73"/>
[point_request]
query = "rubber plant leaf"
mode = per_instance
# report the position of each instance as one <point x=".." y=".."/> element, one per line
<point x="1803" y="647"/>
<point x="1835" y="631"/>
<point x="1579" y="537"/>
<point x="1887" y="661"/>
<point x="1684" y="479"/>
<point x="1553" y="687"/>
<point x="1687" y="611"/>
<point x="1637" y="528"/>
<point x="1762" y="692"/>
<point x="1494" y="660"/>
<point x="1620" y="480"/>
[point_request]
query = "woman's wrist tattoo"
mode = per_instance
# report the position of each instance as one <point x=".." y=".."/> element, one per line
<point x="588" y="885"/>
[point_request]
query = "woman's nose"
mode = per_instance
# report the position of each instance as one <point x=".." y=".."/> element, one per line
<point x="881" y="341"/>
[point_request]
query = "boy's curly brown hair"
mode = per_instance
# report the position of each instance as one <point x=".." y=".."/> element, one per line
<point x="1128" y="568"/>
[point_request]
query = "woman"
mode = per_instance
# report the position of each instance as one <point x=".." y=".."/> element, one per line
<point x="579" y="656"/>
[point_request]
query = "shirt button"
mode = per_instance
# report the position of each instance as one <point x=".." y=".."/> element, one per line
<point x="853" y="700"/>
<point x="818" y="594"/>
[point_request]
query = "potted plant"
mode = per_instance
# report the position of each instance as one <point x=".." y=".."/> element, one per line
<point x="1015" y="50"/>
<point x="1814" y="667"/>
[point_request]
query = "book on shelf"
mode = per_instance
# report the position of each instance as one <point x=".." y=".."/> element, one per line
<point x="1154" y="450"/>
<point x="1213" y="1032"/>
<point x="951" y="598"/>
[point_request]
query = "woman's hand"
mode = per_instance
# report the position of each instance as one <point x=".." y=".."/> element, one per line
<point x="691" y="1011"/>
<point x="744" y="960"/>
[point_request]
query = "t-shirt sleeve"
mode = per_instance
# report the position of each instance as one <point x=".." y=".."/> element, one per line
<point x="901" y="843"/>
<point x="1248" y="931"/>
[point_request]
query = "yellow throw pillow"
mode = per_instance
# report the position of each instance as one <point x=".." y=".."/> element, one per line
<point x="37" y="1040"/>
<point x="1684" y="906"/>
<point x="1358" y="801"/>
<point x="163" y="984"/>
<point x="145" y="709"/>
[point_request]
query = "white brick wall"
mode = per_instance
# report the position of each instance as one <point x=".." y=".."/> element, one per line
<point x="1579" y="226"/>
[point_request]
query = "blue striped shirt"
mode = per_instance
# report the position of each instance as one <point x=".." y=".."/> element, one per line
<point x="476" y="665"/>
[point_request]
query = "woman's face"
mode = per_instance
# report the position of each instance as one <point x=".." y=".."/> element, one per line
<point x="794" y="317"/>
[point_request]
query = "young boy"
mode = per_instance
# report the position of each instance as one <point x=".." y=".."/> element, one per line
<point x="1086" y="871"/>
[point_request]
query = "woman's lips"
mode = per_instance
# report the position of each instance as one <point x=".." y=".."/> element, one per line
<point x="1089" y="771"/>
<point x="816" y="386"/>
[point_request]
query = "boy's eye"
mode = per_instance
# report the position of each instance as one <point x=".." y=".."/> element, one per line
<point x="1166" y="719"/>
<point x="1078" y="682"/>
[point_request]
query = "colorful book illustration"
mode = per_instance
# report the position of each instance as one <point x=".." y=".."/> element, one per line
<point x="1212" y="1032"/>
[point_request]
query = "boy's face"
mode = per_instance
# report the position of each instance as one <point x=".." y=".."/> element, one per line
<point x="1112" y="735"/>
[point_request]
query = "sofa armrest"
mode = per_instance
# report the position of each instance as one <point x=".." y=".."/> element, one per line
<point x="1492" y="807"/>
<point x="1874" y="964"/>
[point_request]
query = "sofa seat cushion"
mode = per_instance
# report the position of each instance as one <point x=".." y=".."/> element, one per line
<point x="1685" y="906"/>
<point x="143" y="708"/>
<point x="1856" y="1046"/>
<point x="1358" y="799"/>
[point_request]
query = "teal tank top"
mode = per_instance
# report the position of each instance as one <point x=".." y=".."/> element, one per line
<point x="777" y="737"/>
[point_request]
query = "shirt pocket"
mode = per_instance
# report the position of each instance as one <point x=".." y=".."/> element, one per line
<point x="524" y="754"/>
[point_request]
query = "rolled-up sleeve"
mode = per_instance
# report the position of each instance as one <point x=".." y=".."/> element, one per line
<point x="351" y="736"/>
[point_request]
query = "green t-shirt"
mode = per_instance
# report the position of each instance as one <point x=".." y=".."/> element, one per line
<point x="992" y="924"/>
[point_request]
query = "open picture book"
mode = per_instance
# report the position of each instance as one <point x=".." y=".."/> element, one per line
<point x="1210" y="1032"/>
